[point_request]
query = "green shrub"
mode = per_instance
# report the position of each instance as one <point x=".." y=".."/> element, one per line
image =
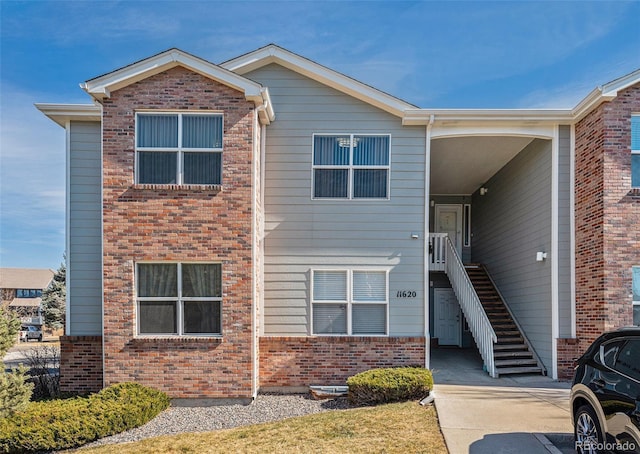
<point x="15" y="391"/>
<point x="395" y="384"/>
<point x="62" y="424"/>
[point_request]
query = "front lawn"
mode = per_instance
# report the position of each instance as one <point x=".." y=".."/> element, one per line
<point x="399" y="427"/>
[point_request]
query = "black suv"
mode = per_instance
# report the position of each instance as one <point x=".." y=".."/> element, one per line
<point x="605" y="396"/>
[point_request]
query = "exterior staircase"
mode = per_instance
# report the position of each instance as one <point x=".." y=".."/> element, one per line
<point x="512" y="352"/>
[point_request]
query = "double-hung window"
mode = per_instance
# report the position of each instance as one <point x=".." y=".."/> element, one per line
<point x="635" y="151"/>
<point x="350" y="302"/>
<point x="635" y="278"/>
<point x="179" y="298"/>
<point x="179" y="148"/>
<point x="351" y="166"/>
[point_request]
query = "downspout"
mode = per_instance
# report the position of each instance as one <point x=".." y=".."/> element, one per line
<point x="254" y="254"/>
<point x="425" y="253"/>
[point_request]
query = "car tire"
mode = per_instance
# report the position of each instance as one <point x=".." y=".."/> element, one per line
<point x="586" y="431"/>
<point x="40" y="338"/>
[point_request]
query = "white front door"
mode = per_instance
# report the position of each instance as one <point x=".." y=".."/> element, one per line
<point x="446" y="312"/>
<point x="449" y="220"/>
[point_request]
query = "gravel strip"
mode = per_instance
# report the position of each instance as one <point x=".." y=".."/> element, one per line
<point x="265" y="408"/>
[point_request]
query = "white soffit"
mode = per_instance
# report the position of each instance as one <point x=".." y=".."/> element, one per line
<point x="63" y="113"/>
<point x="460" y="165"/>
<point x="275" y="54"/>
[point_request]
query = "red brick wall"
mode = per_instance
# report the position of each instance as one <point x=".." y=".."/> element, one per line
<point x="80" y="364"/>
<point x="172" y="223"/>
<point x="304" y="361"/>
<point x="568" y="351"/>
<point x="607" y="218"/>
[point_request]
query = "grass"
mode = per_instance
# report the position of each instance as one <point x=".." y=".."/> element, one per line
<point x="401" y="427"/>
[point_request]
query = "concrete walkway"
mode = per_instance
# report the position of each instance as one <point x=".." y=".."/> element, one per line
<point x="515" y="414"/>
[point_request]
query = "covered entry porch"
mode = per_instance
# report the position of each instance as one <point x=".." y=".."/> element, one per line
<point x="499" y="199"/>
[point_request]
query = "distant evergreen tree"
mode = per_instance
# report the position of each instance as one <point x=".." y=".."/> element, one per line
<point x="54" y="299"/>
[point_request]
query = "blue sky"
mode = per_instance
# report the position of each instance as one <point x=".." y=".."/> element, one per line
<point x="432" y="54"/>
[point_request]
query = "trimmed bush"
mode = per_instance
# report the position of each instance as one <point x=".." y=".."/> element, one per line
<point x="377" y="386"/>
<point x="62" y="424"/>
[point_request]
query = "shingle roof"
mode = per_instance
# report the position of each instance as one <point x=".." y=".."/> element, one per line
<point x="25" y="278"/>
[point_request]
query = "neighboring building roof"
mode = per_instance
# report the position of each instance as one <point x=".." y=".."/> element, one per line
<point x="101" y="87"/>
<point x="25" y="278"/>
<point x="276" y="54"/>
<point x="25" y="302"/>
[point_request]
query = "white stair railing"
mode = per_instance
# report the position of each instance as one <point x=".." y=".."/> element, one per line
<point x="481" y="329"/>
<point x="437" y="251"/>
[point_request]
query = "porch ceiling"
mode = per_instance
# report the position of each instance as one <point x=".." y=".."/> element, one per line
<point x="460" y="165"/>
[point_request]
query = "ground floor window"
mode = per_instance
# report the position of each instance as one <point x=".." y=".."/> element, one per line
<point x="636" y="294"/>
<point x="350" y="302"/>
<point x="179" y="298"/>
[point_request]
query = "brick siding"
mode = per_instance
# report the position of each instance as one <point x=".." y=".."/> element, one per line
<point x="304" y="361"/>
<point x="173" y="223"/>
<point x="80" y="364"/>
<point x="607" y="218"/>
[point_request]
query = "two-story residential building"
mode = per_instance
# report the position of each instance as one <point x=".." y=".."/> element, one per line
<point x="21" y="291"/>
<point x="269" y="223"/>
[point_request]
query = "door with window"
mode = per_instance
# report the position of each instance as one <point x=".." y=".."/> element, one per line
<point x="448" y="220"/>
<point x="447" y="326"/>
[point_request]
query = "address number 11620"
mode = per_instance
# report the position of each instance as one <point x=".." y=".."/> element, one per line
<point x="406" y="294"/>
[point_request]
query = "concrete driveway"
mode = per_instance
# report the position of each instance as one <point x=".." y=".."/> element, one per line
<point x="515" y="414"/>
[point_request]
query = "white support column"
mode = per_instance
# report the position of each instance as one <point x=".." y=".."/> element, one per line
<point x="427" y="179"/>
<point x="555" y="316"/>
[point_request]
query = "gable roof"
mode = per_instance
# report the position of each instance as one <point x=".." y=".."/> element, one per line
<point x="101" y="87"/>
<point x="25" y="278"/>
<point x="605" y="92"/>
<point x="276" y="54"/>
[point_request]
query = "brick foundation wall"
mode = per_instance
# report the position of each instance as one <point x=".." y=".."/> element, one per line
<point x="607" y="218"/>
<point x="304" y="361"/>
<point x="568" y="350"/>
<point x="178" y="224"/>
<point x="80" y="364"/>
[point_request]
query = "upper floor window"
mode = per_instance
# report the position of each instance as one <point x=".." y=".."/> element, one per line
<point x="28" y="293"/>
<point x="635" y="271"/>
<point x="350" y="302"/>
<point x="635" y="151"/>
<point x="179" y="148"/>
<point x="179" y="298"/>
<point x="351" y="166"/>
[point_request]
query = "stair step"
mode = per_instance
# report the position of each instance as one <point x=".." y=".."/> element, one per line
<point x="510" y="340"/>
<point x="513" y="346"/>
<point x="518" y="370"/>
<point x="515" y="362"/>
<point x="507" y="333"/>
<point x="513" y="354"/>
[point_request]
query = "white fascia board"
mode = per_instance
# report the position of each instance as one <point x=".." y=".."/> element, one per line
<point x="274" y="54"/>
<point x="100" y="87"/>
<point x="413" y="117"/>
<point x="63" y="113"/>
<point x="604" y="93"/>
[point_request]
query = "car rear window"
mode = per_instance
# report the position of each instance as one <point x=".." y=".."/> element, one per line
<point x="628" y="359"/>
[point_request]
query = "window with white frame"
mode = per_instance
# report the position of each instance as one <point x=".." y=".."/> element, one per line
<point x="635" y="151"/>
<point x="350" y="302"/>
<point x="179" y="298"/>
<point x="635" y="271"/>
<point x="351" y="166"/>
<point x="179" y="148"/>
